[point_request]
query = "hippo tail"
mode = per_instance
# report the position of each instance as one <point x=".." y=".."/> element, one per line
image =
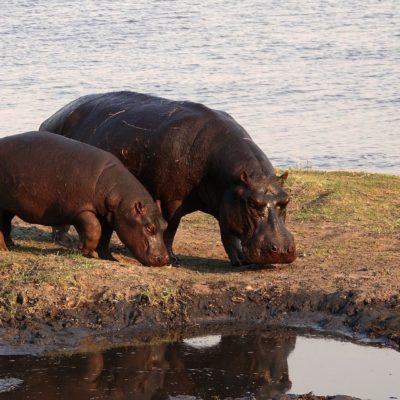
<point x="56" y="122"/>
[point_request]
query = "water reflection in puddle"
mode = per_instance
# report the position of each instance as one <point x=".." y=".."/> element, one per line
<point x="254" y="365"/>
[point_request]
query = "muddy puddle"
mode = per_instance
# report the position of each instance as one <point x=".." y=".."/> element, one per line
<point x="250" y="365"/>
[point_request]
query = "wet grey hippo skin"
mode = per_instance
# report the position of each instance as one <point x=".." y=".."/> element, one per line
<point x="51" y="180"/>
<point x="191" y="158"/>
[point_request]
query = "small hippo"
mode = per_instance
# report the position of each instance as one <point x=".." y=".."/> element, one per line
<point x="48" y="179"/>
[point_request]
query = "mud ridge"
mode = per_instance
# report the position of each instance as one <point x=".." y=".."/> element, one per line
<point x="343" y="313"/>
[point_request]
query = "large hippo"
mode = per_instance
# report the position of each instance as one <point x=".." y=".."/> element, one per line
<point x="51" y="180"/>
<point x="190" y="157"/>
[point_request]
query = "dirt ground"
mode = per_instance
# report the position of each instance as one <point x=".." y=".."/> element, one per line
<point x="345" y="281"/>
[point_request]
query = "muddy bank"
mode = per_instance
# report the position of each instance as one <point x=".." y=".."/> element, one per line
<point x="345" y="280"/>
<point x="119" y="316"/>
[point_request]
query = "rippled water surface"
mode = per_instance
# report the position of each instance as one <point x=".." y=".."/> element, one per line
<point x="314" y="82"/>
<point x="256" y="365"/>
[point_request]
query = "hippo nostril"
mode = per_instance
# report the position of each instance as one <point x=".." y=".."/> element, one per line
<point x="161" y="260"/>
<point x="274" y="248"/>
<point x="290" y="249"/>
<point x="157" y="260"/>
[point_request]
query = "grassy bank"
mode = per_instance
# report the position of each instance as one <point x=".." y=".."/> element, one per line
<point x="371" y="201"/>
<point x="347" y="229"/>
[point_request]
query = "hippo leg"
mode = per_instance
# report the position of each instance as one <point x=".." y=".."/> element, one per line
<point x="172" y="213"/>
<point x="169" y="236"/>
<point x="3" y="231"/>
<point x="103" y="249"/>
<point x="7" y="218"/>
<point x="60" y="235"/>
<point x="232" y="246"/>
<point x="89" y="230"/>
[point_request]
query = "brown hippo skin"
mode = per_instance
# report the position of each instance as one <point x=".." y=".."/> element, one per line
<point x="51" y="180"/>
<point x="190" y="157"/>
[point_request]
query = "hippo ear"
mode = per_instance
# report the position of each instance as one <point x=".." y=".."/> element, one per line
<point x="245" y="178"/>
<point x="139" y="208"/>
<point x="283" y="177"/>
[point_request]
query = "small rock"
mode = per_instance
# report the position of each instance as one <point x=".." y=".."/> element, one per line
<point x="20" y="298"/>
<point x="237" y="299"/>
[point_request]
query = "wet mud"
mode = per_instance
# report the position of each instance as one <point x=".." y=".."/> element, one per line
<point x="196" y="310"/>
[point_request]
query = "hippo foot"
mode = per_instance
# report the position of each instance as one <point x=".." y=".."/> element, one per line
<point x="89" y="253"/>
<point x="106" y="255"/>
<point x="237" y="259"/>
<point x="236" y="263"/>
<point x="64" y="239"/>
<point x="3" y="247"/>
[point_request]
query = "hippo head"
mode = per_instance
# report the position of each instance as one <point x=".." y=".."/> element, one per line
<point x="141" y="228"/>
<point x="254" y="211"/>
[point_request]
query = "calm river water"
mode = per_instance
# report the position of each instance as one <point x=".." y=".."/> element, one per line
<point x="250" y="366"/>
<point x="314" y="82"/>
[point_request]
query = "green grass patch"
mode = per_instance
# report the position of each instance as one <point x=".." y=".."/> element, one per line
<point x="17" y="268"/>
<point x="371" y="200"/>
<point x="198" y="220"/>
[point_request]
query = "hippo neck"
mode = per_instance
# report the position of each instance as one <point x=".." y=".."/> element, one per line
<point x="226" y="163"/>
<point x="233" y="161"/>
<point x="108" y="187"/>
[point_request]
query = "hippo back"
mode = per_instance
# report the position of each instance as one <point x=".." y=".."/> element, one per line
<point x="53" y="178"/>
<point x="157" y="139"/>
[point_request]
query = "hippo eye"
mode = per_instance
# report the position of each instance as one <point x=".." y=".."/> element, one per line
<point x="151" y="229"/>
<point x="256" y="204"/>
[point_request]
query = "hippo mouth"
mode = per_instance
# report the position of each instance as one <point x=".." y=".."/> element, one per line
<point x="154" y="260"/>
<point x="151" y="259"/>
<point x="269" y="255"/>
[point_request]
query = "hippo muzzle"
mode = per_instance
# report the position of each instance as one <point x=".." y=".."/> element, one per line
<point x="154" y="261"/>
<point x="271" y="242"/>
<point x="270" y="252"/>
